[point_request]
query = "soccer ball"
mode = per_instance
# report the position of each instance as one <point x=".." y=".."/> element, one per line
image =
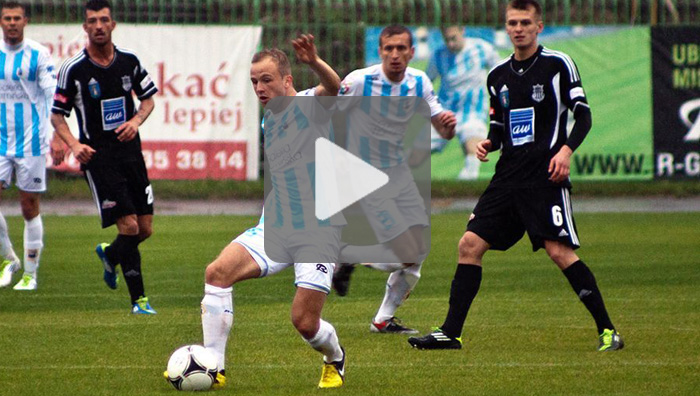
<point x="192" y="368"/>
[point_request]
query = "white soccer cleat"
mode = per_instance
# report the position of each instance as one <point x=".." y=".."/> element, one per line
<point x="26" y="283"/>
<point x="8" y="269"/>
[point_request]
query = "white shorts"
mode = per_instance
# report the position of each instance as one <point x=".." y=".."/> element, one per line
<point x="470" y="127"/>
<point x="395" y="208"/>
<point x="467" y="128"/>
<point x="30" y="173"/>
<point x="313" y="276"/>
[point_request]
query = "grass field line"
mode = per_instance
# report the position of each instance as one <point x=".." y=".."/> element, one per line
<point x="373" y="365"/>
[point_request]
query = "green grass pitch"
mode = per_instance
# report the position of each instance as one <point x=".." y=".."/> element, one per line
<point x="527" y="333"/>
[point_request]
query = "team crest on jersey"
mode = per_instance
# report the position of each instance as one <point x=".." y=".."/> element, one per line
<point x="344" y="87"/>
<point x="538" y="92"/>
<point x="504" y="97"/>
<point x="94" y="88"/>
<point x="126" y="83"/>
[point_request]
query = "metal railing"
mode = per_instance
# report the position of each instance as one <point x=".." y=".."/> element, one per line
<point x="339" y="25"/>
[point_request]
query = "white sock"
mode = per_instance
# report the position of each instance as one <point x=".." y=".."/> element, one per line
<point x="385" y="267"/>
<point x="471" y="164"/>
<point x="33" y="242"/>
<point x="326" y="342"/>
<point x="217" y="319"/>
<point x="6" y="249"/>
<point x="398" y="287"/>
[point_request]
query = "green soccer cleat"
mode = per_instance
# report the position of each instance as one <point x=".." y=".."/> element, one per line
<point x="333" y="373"/>
<point x="9" y="267"/>
<point x="26" y="283"/>
<point x="142" y="307"/>
<point x="610" y="340"/>
<point x="436" y="340"/>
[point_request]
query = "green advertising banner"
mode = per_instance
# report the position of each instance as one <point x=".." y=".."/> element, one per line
<point x="615" y="68"/>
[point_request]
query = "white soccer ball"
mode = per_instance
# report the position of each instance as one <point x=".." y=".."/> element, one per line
<point x="192" y="368"/>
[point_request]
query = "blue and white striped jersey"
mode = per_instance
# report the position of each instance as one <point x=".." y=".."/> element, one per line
<point x="382" y="144"/>
<point x="463" y="77"/>
<point x="27" y="84"/>
<point x="290" y="139"/>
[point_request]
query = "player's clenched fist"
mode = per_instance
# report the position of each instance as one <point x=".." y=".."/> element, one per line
<point x="482" y="150"/>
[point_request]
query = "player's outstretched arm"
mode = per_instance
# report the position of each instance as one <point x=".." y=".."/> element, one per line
<point x="306" y="53"/>
<point x="445" y="123"/>
<point x="128" y="130"/>
<point x="82" y="152"/>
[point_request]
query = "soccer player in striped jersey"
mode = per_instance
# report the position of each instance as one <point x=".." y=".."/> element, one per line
<point x="462" y="65"/>
<point x="27" y="83"/>
<point x="397" y="220"/>
<point x="531" y="93"/>
<point x="244" y="258"/>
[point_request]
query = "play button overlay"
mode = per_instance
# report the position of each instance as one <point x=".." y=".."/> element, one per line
<point x="346" y="180"/>
<point x="343" y="179"/>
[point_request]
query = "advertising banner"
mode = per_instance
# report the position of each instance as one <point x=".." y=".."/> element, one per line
<point x="206" y="122"/>
<point x="676" y="75"/>
<point x="614" y="63"/>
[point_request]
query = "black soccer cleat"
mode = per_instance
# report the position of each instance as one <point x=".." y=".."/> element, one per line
<point x="436" y="340"/>
<point x="341" y="278"/>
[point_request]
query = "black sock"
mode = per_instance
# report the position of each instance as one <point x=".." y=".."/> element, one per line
<point x="465" y="285"/>
<point x="113" y="251"/>
<point x="583" y="282"/>
<point x="130" y="259"/>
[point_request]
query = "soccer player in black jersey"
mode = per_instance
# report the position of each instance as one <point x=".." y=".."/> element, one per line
<point x="531" y="93"/>
<point x="98" y="83"/>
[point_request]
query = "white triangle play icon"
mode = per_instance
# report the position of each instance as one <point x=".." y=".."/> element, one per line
<point x="342" y="179"/>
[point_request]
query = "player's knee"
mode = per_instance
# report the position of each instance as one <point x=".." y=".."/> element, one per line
<point x="562" y="255"/>
<point x="216" y="275"/>
<point x="30" y="208"/>
<point x="306" y="324"/>
<point x="145" y="233"/>
<point x="470" y="246"/>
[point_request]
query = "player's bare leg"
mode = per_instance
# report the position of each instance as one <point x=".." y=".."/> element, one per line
<point x="321" y="335"/>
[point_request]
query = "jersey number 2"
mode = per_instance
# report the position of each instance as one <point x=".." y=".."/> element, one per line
<point x="149" y="194"/>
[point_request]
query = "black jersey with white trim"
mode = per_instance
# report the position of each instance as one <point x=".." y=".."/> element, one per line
<point x="102" y="99"/>
<point x="529" y="111"/>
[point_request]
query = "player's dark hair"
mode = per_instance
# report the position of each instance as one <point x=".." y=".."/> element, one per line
<point x="13" y="4"/>
<point x="278" y="56"/>
<point x="96" y="5"/>
<point x="393" y="30"/>
<point x="524" y="5"/>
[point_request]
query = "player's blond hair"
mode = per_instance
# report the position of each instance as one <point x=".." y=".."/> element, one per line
<point x="278" y="56"/>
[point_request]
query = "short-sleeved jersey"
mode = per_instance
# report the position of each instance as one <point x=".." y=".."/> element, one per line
<point x="102" y="99"/>
<point x="530" y="108"/>
<point x="27" y="83"/>
<point x="381" y="146"/>
<point x="290" y="139"/>
<point x="463" y="76"/>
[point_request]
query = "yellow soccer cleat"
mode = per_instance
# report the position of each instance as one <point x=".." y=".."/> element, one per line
<point x="333" y="374"/>
<point x="220" y="381"/>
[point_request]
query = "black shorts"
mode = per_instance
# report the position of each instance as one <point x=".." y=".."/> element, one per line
<point x="120" y="189"/>
<point x="502" y="216"/>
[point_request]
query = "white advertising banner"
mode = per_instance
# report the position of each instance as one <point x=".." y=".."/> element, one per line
<point x="206" y="121"/>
